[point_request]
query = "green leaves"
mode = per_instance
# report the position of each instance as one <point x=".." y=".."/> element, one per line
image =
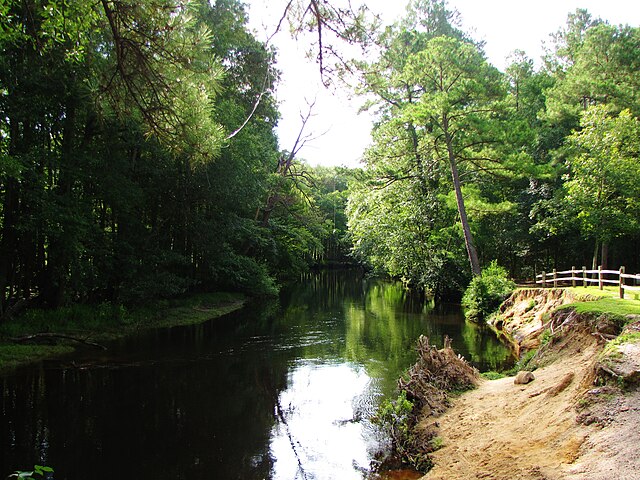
<point x="38" y="471"/>
<point x="603" y="71"/>
<point x="486" y="292"/>
<point x="161" y="64"/>
<point x="604" y="180"/>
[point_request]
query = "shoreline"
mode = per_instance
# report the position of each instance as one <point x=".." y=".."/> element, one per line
<point x="51" y="340"/>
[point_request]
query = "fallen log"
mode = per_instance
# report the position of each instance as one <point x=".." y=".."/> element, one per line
<point x="48" y="335"/>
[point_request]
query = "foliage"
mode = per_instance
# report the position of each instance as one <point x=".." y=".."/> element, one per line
<point x="395" y="415"/>
<point x="526" y="362"/>
<point x="398" y="419"/>
<point x="137" y="153"/>
<point x="38" y="471"/>
<point x="602" y="186"/>
<point x="139" y="160"/>
<point x="486" y="292"/>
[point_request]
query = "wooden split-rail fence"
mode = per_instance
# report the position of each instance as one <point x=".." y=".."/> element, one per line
<point x="583" y="277"/>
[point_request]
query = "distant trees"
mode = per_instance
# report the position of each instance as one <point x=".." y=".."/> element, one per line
<point x="602" y="189"/>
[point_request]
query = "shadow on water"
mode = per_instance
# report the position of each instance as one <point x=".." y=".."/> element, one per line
<point x="278" y="390"/>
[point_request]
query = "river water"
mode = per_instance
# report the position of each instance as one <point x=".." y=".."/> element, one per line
<point x="279" y="390"/>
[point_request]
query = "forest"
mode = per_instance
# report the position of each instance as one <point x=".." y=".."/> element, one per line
<point x="139" y="158"/>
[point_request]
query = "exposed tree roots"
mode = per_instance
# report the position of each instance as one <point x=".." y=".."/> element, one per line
<point x="428" y="384"/>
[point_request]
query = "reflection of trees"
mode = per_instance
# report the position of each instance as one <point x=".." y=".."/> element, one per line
<point x="485" y="351"/>
<point x="155" y="417"/>
<point x="186" y="402"/>
<point x="382" y="329"/>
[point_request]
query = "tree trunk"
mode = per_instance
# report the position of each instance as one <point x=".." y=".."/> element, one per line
<point x="594" y="260"/>
<point x="468" y="237"/>
<point x="604" y="255"/>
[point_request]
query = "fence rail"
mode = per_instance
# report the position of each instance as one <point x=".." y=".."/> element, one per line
<point x="585" y="277"/>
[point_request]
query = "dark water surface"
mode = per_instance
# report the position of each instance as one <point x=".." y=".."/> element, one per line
<point x="279" y="390"/>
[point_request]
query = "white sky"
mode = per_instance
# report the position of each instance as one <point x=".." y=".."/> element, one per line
<point x="342" y="134"/>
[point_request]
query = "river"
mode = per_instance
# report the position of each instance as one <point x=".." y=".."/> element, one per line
<point x="278" y="390"/>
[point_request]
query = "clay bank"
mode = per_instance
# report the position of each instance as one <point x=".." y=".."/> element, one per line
<point x="572" y="412"/>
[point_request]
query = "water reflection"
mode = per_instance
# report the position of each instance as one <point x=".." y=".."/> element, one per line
<point x="318" y="435"/>
<point x="279" y="390"/>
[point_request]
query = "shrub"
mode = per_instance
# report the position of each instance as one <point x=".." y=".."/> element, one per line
<point x="486" y="292"/>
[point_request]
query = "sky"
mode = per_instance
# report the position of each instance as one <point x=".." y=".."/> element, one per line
<point x="340" y="133"/>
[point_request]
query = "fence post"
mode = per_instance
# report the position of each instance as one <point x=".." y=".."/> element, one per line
<point x="600" y="277"/>
<point x="584" y="276"/>
<point x="544" y="279"/>
<point x="555" y="278"/>
<point x="621" y="282"/>
<point x="573" y="276"/>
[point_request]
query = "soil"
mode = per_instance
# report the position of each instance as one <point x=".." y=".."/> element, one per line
<point x="559" y="426"/>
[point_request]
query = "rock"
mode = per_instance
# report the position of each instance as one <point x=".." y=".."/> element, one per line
<point x="522" y="378"/>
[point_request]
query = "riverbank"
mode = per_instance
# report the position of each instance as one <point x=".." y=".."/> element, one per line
<point x="579" y="418"/>
<point x="41" y="334"/>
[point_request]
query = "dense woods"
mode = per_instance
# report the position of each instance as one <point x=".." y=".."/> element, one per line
<point x="139" y="160"/>
<point x="138" y="155"/>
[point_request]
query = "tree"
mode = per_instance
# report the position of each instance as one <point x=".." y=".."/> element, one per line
<point x="603" y="184"/>
<point x="459" y="92"/>
<point x="603" y="71"/>
<point x="109" y="188"/>
<point x="396" y="218"/>
<point x="567" y="41"/>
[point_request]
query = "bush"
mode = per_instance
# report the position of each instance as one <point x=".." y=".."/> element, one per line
<point x="486" y="292"/>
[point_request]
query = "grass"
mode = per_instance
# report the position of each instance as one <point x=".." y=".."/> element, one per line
<point x="492" y="375"/>
<point x="616" y="309"/>
<point x="436" y="443"/>
<point x="607" y="291"/>
<point x="104" y="322"/>
<point x="13" y="356"/>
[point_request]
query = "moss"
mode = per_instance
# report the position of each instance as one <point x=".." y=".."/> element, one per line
<point x="436" y="443"/>
<point x="546" y="338"/>
<point x="530" y="305"/>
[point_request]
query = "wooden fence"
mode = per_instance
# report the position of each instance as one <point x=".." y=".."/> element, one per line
<point x="583" y="277"/>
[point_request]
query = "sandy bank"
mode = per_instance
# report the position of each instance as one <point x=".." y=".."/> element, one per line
<point x="560" y="426"/>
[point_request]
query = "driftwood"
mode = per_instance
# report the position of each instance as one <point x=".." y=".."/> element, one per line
<point x="39" y="336"/>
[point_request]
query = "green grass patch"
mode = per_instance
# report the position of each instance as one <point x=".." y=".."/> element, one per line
<point x="606" y="292"/>
<point x="492" y="375"/>
<point x="12" y="356"/>
<point x="616" y="309"/>
<point x="187" y="311"/>
<point x="436" y="443"/>
<point x="610" y="349"/>
<point x="525" y="363"/>
<point x="104" y="322"/>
